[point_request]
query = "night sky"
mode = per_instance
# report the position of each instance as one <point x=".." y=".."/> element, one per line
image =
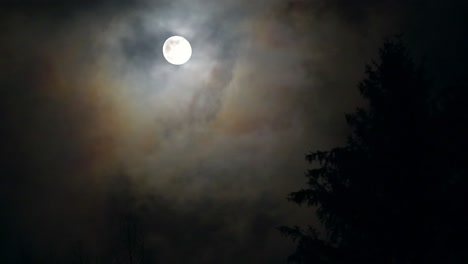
<point x="96" y="125"/>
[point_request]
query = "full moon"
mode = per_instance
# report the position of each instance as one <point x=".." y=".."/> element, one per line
<point x="177" y="50"/>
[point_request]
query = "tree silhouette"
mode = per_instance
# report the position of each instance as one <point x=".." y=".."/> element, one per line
<point x="128" y="240"/>
<point x="80" y="256"/>
<point x="395" y="193"/>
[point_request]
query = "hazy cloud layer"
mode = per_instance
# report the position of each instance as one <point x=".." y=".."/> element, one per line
<point x="96" y="124"/>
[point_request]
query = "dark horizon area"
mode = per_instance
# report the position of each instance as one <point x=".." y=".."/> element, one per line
<point x="110" y="154"/>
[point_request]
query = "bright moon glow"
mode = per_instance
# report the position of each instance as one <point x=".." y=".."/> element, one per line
<point x="177" y="50"/>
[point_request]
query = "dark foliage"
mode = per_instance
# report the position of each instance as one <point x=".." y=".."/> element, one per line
<point x="396" y="192"/>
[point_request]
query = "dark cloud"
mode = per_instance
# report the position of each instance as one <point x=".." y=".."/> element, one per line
<point x="139" y="45"/>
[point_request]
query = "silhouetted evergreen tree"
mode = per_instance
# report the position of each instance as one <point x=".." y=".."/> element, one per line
<point x="397" y="191"/>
